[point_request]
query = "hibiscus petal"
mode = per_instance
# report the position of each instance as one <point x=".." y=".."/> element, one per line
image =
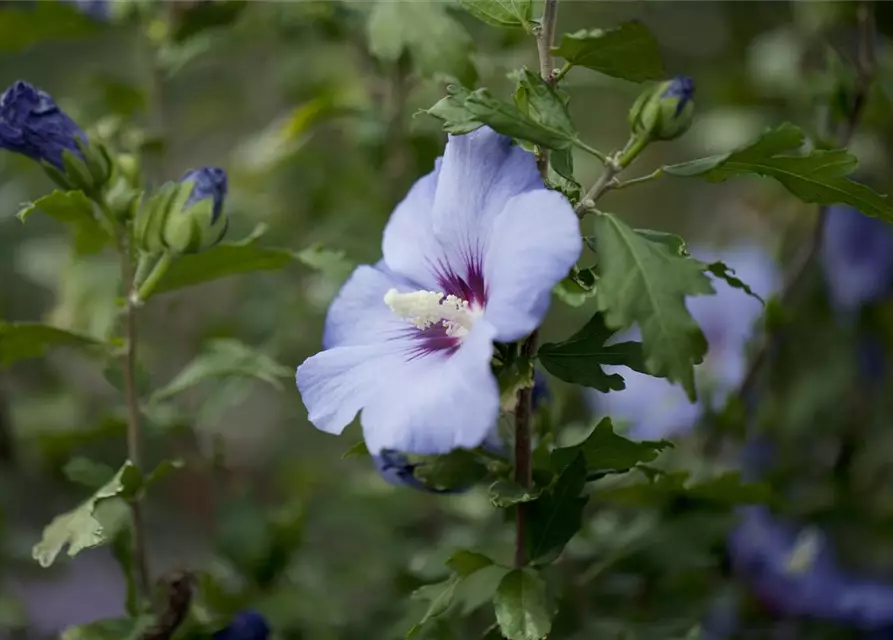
<point x="359" y="315"/>
<point x="444" y="225"/>
<point x="536" y="241"/>
<point x="436" y="403"/>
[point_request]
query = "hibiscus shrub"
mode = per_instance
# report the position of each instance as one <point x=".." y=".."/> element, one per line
<point x="589" y="429"/>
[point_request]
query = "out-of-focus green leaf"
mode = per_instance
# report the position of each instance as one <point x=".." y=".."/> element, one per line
<point x="23" y="340"/>
<point x="580" y="358"/>
<point x="456" y="470"/>
<point x="500" y="13"/>
<point x="504" y="493"/>
<point x="88" y="473"/>
<point x="95" y="522"/>
<point x="642" y="281"/>
<point x="522" y="609"/>
<point x="356" y="450"/>
<point x="465" y="562"/>
<point x="221" y="359"/>
<point x="121" y="97"/>
<point x="112" y="629"/>
<point x="725" y="490"/>
<point x="195" y="17"/>
<point x="72" y="208"/>
<point x="604" y="450"/>
<point x="333" y="264"/>
<point x="162" y="471"/>
<point x="817" y="177"/>
<point x="436" y="42"/>
<point x="42" y="21"/>
<point x="554" y="517"/>
<point x="629" y="51"/>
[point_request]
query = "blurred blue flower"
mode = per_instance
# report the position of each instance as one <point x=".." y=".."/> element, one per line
<point x="210" y="182"/>
<point x="247" y="625"/>
<point x="470" y="257"/>
<point x="794" y="572"/>
<point x="653" y="407"/>
<point x="396" y="468"/>
<point x="32" y="124"/>
<point x="96" y="9"/>
<point x="857" y="257"/>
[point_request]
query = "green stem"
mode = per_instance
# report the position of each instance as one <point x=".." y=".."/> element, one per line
<point x="559" y="75"/>
<point x="131" y="398"/>
<point x="598" y="154"/>
<point x="142" y="294"/>
<point x="654" y="175"/>
<point x="633" y="148"/>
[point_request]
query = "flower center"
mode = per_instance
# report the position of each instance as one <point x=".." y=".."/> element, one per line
<point x="425" y="309"/>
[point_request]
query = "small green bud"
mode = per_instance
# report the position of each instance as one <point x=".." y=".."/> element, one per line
<point x="664" y="112"/>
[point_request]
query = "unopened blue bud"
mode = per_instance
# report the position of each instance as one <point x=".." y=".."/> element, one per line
<point x="185" y="216"/>
<point x="665" y="111"/>
<point x="33" y="125"/>
<point x="247" y="625"/>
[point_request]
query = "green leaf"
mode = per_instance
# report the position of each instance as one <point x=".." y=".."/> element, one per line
<point x="458" y="469"/>
<point x="196" y="17"/>
<point x="439" y="596"/>
<point x="221" y="359"/>
<point x="642" y="281"/>
<point x="577" y="288"/>
<point x="521" y="607"/>
<point x="508" y="119"/>
<point x="500" y="13"/>
<point x="95" y="522"/>
<point x="72" y="208"/>
<point x="24" y="340"/>
<point x="465" y="562"/>
<point x="605" y="451"/>
<point x="162" y="471"/>
<point x="542" y="102"/>
<point x="332" y="264"/>
<point x="819" y="176"/>
<point x="42" y="21"/>
<point x="629" y="51"/>
<point x="225" y="259"/>
<point x="517" y="375"/>
<point x="435" y="41"/>
<point x="725" y="490"/>
<point x="451" y="110"/>
<point x="355" y="450"/>
<point x="579" y="359"/>
<point x="722" y="270"/>
<point x="554" y="517"/>
<point x="87" y="472"/>
<point x="504" y="493"/>
<point x="112" y="629"/>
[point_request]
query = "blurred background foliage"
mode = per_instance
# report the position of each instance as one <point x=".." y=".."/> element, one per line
<point x="313" y="112"/>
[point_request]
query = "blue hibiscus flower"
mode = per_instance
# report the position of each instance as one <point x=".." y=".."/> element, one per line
<point x="470" y="257"/>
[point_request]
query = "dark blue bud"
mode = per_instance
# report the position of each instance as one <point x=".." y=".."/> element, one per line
<point x="681" y="87"/>
<point x="247" y="625"/>
<point x="32" y="124"/>
<point x="210" y="182"/>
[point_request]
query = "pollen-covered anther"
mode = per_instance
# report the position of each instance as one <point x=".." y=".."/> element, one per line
<point x="426" y="308"/>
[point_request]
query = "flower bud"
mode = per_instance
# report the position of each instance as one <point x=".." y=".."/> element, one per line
<point x="664" y="112"/>
<point x="246" y="625"/>
<point x="185" y="216"/>
<point x="32" y="124"/>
